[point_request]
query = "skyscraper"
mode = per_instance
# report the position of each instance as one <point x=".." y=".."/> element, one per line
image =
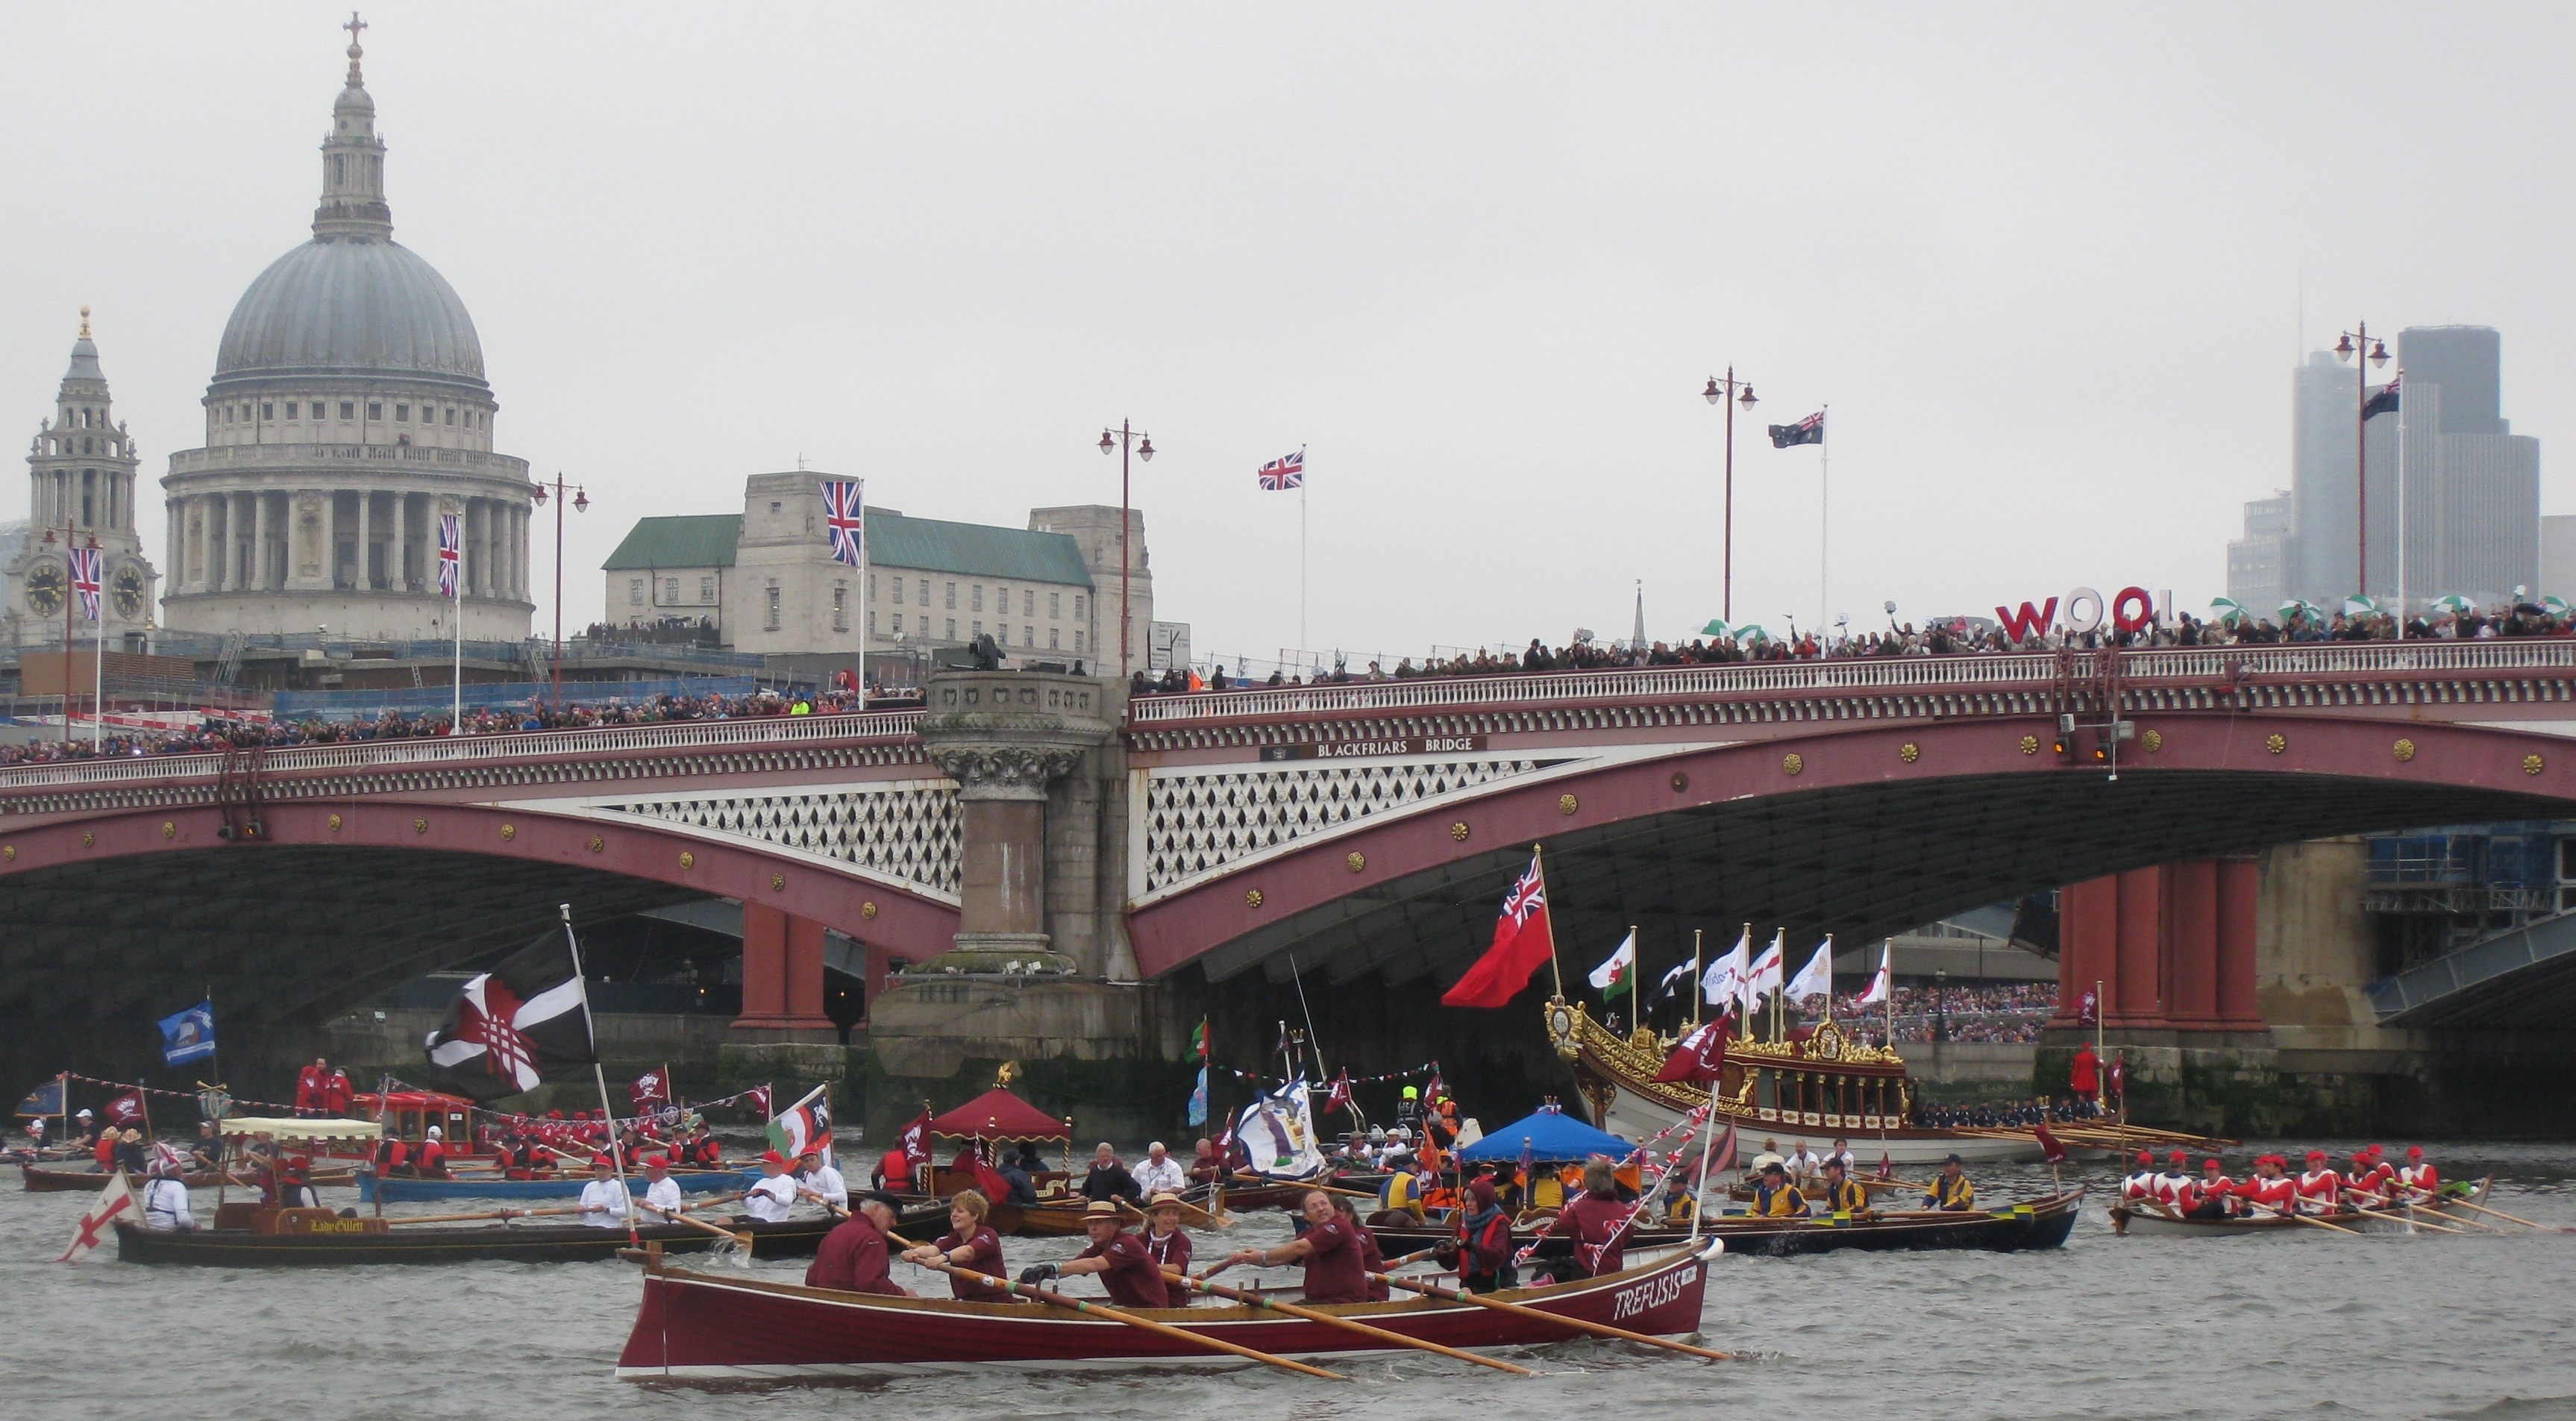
<point x="2470" y="520"/>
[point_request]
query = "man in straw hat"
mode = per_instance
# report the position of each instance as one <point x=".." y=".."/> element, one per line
<point x="1125" y="1265"/>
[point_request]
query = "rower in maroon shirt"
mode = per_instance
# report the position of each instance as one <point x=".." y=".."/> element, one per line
<point x="1330" y="1248"/>
<point x="1598" y="1222"/>
<point x="1169" y="1245"/>
<point x="969" y="1243"/>
<point x="1125" y="1265"/>
<point x="852" y="1258"/>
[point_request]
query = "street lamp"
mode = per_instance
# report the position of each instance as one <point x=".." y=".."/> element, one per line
<point x="1143" y="444"/>
<point x="98" y="658"/>
<point x="581" y="504"/>
<point x="2355" y="341"/>
<point x="1718" y="393"/>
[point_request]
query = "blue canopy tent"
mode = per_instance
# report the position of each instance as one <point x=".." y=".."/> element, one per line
<point x="1551" y="1135"/>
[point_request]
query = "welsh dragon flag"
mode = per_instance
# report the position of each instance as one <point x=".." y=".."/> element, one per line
<point x="805" y="1126"/>
<point x="1618" y="975"/>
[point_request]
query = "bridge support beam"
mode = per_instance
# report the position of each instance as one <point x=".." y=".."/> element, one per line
<point x="782" y="972"/>
<point x="2171" y="947"/>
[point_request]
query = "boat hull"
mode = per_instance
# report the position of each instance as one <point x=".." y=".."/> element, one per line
<point x="396" y="1189"/>
<point x="555" y="1243"/>
<point x="1634" y="1117"/>
<point x="2127" y="1220"/>
<point x="42" y="1180"/>
<point x="2036" y="1224"/>
<point x="699" y="1326"/>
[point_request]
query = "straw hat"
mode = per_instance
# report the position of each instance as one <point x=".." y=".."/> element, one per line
<point x="1100" y="1209"/>
<point x="1161" y="1198"/>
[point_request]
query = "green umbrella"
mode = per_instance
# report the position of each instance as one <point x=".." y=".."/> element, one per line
<point x="2453" y="603"/>
<point x="2228" y="608"/>
<point x="2360" y="604"/>
<point x="1716" y="627"/>
<point x="2555" y="606"/>
<point x="1750" y="631"/>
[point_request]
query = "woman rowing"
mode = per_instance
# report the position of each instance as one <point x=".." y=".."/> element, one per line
<point x="1330" y="1248"/>
<point x="969" y="1243"/>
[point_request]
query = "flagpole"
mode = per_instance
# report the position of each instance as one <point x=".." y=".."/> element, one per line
<point x="1537" y="861"/>
<point x="1696" y="992"/>
<point x="98" y="680"/>
<point x="861" y="622"/>
<point x="1824" y="520"/>
<point x="456" y="726"/>
<point x="1301" y="546"/>
<point x="598" y="1073"/>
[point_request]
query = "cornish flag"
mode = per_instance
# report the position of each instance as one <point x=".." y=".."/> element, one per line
<point x="845" y="517"/>
<point x="1284" y="473"/>
<point x="85" y="580"/>
<point x="517" y="1026"/>
<point x="451" y="552"/>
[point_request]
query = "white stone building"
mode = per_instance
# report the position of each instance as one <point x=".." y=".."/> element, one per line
<point x="348" y="412"/>
<point x="765" y="580"/>
<point x="80" y="488"/>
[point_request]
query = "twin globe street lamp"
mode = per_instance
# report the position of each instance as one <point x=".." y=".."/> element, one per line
<point x="1717" y="393"/>
<point x="2352" y="344"/>
<point x="1120" y="439"/>
<point x="581" y="504"/>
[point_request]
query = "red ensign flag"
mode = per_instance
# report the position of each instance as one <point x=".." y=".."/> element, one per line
<point x="1521" y="942"/>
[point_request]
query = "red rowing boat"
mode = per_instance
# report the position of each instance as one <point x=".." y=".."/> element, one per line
<point x="702" y="1326"/>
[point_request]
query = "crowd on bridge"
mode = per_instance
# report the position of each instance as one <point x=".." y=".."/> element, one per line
<point x="1953" y="636"/>
<point x="214" y="735"/>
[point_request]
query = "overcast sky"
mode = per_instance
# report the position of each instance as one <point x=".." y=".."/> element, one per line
<point x="2045" y="264"/>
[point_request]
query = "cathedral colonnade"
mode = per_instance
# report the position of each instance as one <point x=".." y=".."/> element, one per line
<point x="382" y="539"/>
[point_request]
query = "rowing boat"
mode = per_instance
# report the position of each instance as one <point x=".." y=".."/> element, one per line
<point x="2129" y="1219"/>
<point x="2014" y="1228"/>
<point x="348" y="1242"/>
<point x="705" y="1327"/>
<point x="396" y="1189"/>
<point x="40" y="1180"/>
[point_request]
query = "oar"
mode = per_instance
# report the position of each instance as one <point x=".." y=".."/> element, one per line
<point x="2402" y="1219"/>
<point x="2320" y="1223"/>
<point x="1346" y="1324"/>
<point x="2501" y="1214"/>
<point x="493" y="1214"/>
<point x="1092" y="1309"/>
<point x="1597" y="1329"/>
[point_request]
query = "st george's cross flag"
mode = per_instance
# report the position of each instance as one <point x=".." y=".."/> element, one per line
<point x="85" y="581"/>
<point x="845" y="518"/>
<point x="1284" y="473"/>
<point x="97" y="1226"/>
<point x="1767" y="973"/>
<point x="1619" y="974"/>
<point x="1883" y="986"/>
<point x="517" y="1026"/>
<point x="451" y="553"/>
<point x="1522" y="941"/>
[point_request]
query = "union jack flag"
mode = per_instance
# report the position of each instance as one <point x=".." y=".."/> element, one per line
<point x="85" y="580"/>
<point x="451" y="552"/>
<point x="845" y="516"/>
<point x="1284" y="473"/>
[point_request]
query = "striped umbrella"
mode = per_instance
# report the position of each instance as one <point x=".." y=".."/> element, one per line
<point x="2360" y="604"/>
<point x="2453" y="603"/>
<point x="2555" y="606"/>
<point x="2228" y="608"/>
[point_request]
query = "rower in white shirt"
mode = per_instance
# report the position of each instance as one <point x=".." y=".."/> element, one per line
<point x="1803" y="1163"/>
<point x="818" y="1180"/>
<point x="1159" y="1173"/>
<point x="603" y="1199"/>
<point x="772" y="1199"/>
<point x="165" y="1198"/>
<point x="661" y="1191"/>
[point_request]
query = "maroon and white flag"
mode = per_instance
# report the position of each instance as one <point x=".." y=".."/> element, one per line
<point x="126" y="1109"/>
<point x="1700" y="1057"/>
<point x="651" y="1088"/>
<point x="1340" y="1099"/>
<point x="115" y="1202"/>
<point x="519" y="1025"/>
<point x="757" y="1098"/>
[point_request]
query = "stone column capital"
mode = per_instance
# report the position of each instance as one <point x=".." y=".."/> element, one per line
<point x="1005" y="770"/>
<point x="1011" y="734"/>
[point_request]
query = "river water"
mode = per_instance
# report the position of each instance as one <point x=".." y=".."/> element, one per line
<point x="2280" y="1327"/>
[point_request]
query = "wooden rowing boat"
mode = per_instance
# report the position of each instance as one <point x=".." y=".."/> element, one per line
<point x="697" y="1326"/>
<point x="396" y="1189"/>
<point x="2132" y="1220"/>
<point x="350" y="1242"/>
<point x="2014" y="1228"/>
<point x="40" y="1180"/>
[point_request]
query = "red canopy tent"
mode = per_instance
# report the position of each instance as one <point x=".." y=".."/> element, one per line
<point x="998" y="1115"/>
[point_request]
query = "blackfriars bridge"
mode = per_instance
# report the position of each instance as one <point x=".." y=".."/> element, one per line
<point x="1361" y="831"/>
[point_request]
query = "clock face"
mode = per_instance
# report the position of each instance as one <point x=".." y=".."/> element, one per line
<point x="130" y="589"/>
<point x="45" y="588"/>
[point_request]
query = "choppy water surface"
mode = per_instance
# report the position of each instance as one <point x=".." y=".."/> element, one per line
<point x="2312" y="1325"/>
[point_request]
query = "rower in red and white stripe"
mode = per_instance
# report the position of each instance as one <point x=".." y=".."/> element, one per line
<point x="2319" y="1189"/>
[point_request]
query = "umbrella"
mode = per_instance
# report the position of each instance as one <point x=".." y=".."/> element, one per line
<point x="1751" y="631"/>
<point x="2556" y="606"/>
<point x="2297" y="607"/>
<point x="1716" y="627"/>
<point x="2228" y="608"/>
<point x="2453" y="603"/>
<point x="2360" y="605"/>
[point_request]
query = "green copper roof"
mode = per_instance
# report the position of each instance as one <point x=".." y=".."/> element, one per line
<point x="917" y="544"/>
<point x="700" y="540"/>
<point x="975" y="549"/>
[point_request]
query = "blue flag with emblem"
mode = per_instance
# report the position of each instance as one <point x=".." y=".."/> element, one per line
<point x="189" y="1035"/>
<point x="1198" y="1101"/>
<point x="46" y="1099"/>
